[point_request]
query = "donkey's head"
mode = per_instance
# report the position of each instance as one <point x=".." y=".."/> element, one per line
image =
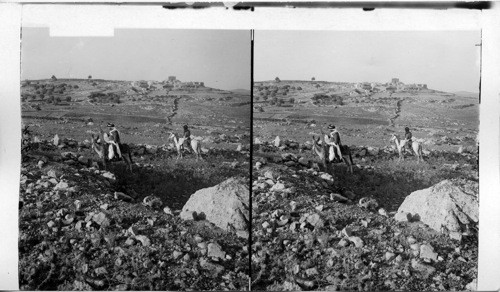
<point x="316" y="147"/>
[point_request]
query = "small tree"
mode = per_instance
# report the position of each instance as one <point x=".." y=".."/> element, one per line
<point x="277" y="79"/>
<point x="90" y="77"/>
<point x="53" y="78"/>
<point x="313" y="79"/>
<point x="299" y="88"/>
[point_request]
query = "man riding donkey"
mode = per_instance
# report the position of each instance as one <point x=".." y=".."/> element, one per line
<point x="113" y="139"/>
<point x="333" y="139"/>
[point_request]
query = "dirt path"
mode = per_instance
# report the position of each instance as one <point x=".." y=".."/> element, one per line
<point x="175" y="107"/>
<point x="396" y="113"/>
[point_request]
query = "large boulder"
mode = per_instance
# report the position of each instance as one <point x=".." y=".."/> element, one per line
<point x="225" y="205"/>
<point x="449" y="205"/>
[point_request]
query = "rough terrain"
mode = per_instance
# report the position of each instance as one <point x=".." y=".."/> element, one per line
<point x="314" y="230"/>
<point x="86" y="228"/>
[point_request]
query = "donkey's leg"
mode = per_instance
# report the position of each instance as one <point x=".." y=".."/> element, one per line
<point x="349" y="162"/>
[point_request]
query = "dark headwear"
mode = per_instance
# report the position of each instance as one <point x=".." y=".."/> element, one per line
<point x="331" y="127"/>
<point x="407" y="129"/>
<point x="185" y="126"/>
<point x="111" y="125"/>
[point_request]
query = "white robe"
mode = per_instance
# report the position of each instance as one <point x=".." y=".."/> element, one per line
<point x="111" y="151"/>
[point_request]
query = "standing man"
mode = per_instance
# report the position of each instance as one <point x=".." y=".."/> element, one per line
<point x="408" y="138"/>
<point x="113" y="138"/>
<point x="187" y="138"/>
<point x="333" y="139"/>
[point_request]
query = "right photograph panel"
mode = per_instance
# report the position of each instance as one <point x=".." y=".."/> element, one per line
<point x="365" y="160"/>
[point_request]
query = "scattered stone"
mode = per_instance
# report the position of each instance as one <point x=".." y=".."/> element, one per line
<point x="338" y="198"/>
<point x="62" y="185"/>
<point x="278" y="187"/>
<point x="315" y="220"/>
<point x="168" y="211"/>
<point x="383" y="212"/>
<point x="101" y="219"/>
<point x="109" y="175"/>
<point x="358" y="242"/>
<point x="123" y="197"/>
<point x="52" y="173"/>
<point x="456" y="236"/>
<point x="347" y="231"/>
<point x="343" y="242"/>
<point x="411" y="239"/>
<point x="389" y="256"/>
<point x="368" y="203"/>
<point x="402" y="217"/>
<point x="427" y="252"/>
<point x="143" y="239"/>
<point x="153" y="202"/>
<point x="176" y="254"/>
<point x="311" y="272"/>
<point x="426" y="270"/>
<point x="214" y="250"/>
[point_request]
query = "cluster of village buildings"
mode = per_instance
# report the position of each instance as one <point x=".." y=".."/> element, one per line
<point x="394" y="85"/>
<point x="171" y="82"/>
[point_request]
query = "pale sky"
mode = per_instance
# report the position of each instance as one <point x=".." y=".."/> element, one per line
<point x="220" y="58"/>
<point x="444" y="60"/>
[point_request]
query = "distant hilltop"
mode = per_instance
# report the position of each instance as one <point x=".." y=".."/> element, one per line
<point x="170" y="82"/>
<point x="353" y="88"/>
<point x="393" y="85"/>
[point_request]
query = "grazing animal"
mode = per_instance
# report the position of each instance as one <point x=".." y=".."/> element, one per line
<point x="416" y="147"/>
<point x="102" y="148"/>
<point x="322" y="150"/>
<point x="179" y="142"/>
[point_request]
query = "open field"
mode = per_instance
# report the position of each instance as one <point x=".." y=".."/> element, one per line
<point x="116" y="242"/>
<point x="362" y="119"/>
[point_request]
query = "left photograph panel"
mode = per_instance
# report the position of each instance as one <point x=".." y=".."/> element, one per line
<point x="135" y="160"/>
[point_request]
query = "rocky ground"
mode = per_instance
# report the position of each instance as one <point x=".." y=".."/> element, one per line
<point x="318" y="231"/>
<point x="85" y="228"/>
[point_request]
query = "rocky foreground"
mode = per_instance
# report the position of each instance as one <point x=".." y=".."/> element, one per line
<point x="79" y="230"/>
<point x="312" y="231"/>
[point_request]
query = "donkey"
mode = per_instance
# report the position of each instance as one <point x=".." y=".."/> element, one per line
<point x="416" y="146"/>
<point x="102" y="149"/>
<point x="179" y="142"/>
<point x="323" y="149"/>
